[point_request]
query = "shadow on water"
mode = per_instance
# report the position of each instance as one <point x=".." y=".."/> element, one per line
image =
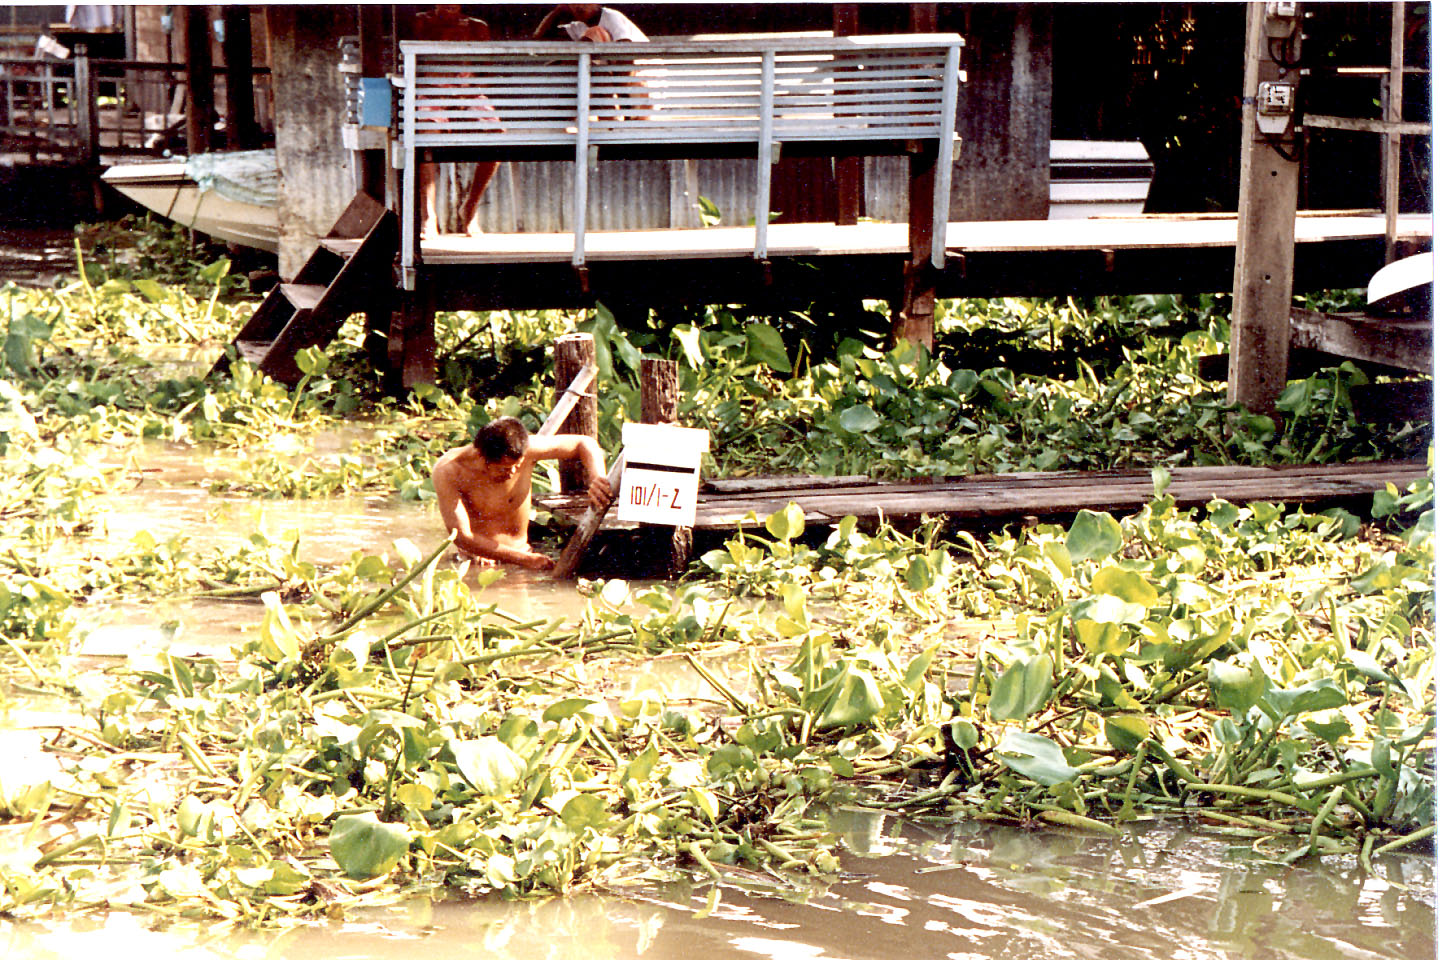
<point x="971" y="890"/>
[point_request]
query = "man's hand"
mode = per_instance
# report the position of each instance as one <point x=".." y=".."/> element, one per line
<point x="599" y="492"/>
<point x="536" y="561"/>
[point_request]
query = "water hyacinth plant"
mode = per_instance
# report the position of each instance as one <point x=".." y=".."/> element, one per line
<point x="386" y="727"/>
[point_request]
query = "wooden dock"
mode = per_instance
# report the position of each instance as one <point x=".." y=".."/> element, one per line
<point x="810" y="262"/>
<point x="997" y="498"/>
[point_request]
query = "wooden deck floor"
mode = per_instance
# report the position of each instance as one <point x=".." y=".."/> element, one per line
<point x="728" y="504"/>
<point x="825" y="239"/>
<point x="813" y="262"/>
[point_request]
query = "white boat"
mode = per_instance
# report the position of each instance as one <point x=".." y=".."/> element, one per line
<point x="1098" y="178"/>
<point x="228" y="196"/>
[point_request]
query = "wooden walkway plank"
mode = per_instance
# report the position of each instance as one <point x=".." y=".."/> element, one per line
<point x="727" y="504"/>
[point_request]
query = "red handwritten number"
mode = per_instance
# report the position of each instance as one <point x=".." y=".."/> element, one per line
<point x="674" y="498"/>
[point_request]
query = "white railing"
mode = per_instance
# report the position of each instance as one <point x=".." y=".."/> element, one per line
<point x="523" y="100"/>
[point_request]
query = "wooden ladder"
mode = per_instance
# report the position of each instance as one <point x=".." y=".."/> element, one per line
<point x="340" y="278"/>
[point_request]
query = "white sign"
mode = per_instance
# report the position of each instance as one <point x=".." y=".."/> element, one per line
<point x="660" y="480"/>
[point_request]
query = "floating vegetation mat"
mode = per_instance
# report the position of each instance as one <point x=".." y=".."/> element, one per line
<point x="387" y="728"/>
<point x="387" y="731"/>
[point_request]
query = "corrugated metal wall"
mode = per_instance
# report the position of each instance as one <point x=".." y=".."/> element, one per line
<point x="536" y="197"/>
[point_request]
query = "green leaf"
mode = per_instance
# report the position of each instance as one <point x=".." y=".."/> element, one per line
<point x="689" y="338"/>
<point x="1317" y="695"/>
<point x="1125" y="584"/>
<point x="763" y="344"/>
<point x="366" y="848"/>
<point x="851" y="698"/>
<point x="915" y="670"/>
<point x="1108" y="608"/>
<point x="489" y="765"/>
<point x="565" y="709"/>
<point x="584" y="810"/>
<point x="1022" y="689"/>
<point x="1036" y="757"/>
<point x="1126" y="731"/>
<point x="918" y="575"/>
<point x="1234" y="687"/>
<point x="1092" y="536"/>
<point x="1385" y="575"/>
<point x="1102" y="638"/>
<point x="1329" y="726"/>
<point x="964" y="734"/>
<point x="153" y="291"/>
<point x="786" y="524"/>
<point x="859" y="419"/>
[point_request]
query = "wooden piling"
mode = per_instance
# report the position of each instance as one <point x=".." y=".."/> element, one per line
<point x="1265" y="247"/>
<point x="574" y="352"/>
<point x="659" y="403"/>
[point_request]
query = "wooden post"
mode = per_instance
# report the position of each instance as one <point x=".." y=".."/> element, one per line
<point x="87" y="108"/>
<point x="659" y="403"/>
<point x="412" y="340"/>
<point x="1265" y="246"/>
<point x="659" y="391"/>
<point x="1394" y="101"/>
<point x="241" y="131"/>
<point x="916" y="318"/>
<point x="573" y="352"/>
<point x="199" y="79"/>
<point x="849" y="171"/>
<point x="374" y="62"/>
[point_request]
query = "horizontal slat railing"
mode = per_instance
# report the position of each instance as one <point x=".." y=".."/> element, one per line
<point x="873" y="94"/>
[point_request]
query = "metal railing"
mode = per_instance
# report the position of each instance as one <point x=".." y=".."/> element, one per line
<point x="73" y="110"/>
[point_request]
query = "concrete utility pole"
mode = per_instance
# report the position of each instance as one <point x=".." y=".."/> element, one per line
<point x="1269" y="177"/>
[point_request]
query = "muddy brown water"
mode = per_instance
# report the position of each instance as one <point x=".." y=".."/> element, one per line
<point x="961" y="890"/>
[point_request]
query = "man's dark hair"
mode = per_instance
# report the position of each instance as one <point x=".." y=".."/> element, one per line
<point x="502" y="439"/>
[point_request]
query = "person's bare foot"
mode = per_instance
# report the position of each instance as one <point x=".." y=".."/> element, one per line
<point x="428" y="229"/>
<point x="474" y="229"/>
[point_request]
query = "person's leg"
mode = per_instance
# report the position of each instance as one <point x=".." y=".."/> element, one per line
<point x="425" y="188"/>
<point x="470" y="210"/>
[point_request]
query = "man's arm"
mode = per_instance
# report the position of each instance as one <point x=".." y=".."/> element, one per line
<point x="457" y="520"/>
<point x="573" y="446"/>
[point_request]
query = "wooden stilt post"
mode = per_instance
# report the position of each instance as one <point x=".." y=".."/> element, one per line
<point x="1265" y="246"/>
<point x="573" y="353"/>
<point x="1394" y="93"/>
<point x="241" y="131"/>
<point x="659" y="403"/>
<point x="199" y="79"/>
<point x="916" y="319"/>
<point x="849" y="171"/>
<point x="412" y="340"/>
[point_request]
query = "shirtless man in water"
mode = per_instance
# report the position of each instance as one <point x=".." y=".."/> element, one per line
<point x="483" y="489"/>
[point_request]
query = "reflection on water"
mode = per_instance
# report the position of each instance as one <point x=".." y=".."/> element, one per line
<point x="971" y="891"/>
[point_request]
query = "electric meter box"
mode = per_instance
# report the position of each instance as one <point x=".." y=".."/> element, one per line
<point x="660" y="477"/>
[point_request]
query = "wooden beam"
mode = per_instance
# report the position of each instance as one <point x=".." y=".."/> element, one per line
<point x="566" y="401"/>
<point x="1394" y="100"/>
<point x="573" y="353"/>
<point x="849" y="171"/>
<point x="585" y="531"/>
<point x="1398" y="343"/>
<point x="375" y="29"/>
<point x="916" y="318"/>
<point x="1265" y="248"/>
<point x="241" y="130"/>
<point x="199" y="79"/>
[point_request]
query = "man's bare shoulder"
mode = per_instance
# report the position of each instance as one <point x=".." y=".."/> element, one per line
<point x="451" y="463"/>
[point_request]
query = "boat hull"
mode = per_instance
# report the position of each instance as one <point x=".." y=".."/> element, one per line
<point x="166" y="189"/>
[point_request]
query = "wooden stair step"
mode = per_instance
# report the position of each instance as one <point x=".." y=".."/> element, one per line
<point x="305" y="296"/>
<point x="253" y="350"/>
<point x="341" y="246"/>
